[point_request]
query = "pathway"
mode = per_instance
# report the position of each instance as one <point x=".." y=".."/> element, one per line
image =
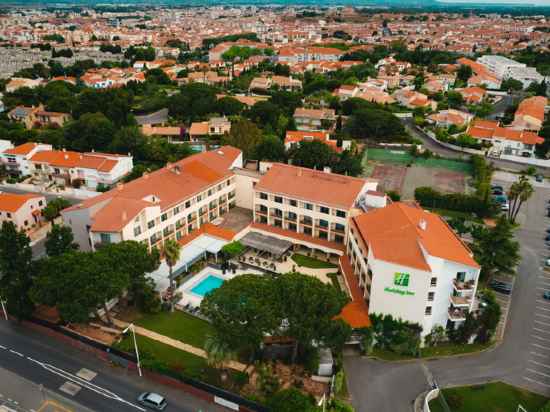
<point x="176" y="344"/>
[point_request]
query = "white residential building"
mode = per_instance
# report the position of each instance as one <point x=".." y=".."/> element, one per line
<point x="17" y="159"/>
<point x="24" y="210"/>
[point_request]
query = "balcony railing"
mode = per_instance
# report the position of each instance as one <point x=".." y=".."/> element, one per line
<point x="461" y="301"/>
<point x="457" y="314"/>
<point x="290" y="218"/>
<point x="463" y="286"/>
<point x="338" y="229"/>
<point x="307" y="222"/>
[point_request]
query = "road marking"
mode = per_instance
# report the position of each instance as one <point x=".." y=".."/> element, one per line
<point x="85" y="384"/>
<point x="541" y="308"/>
<point x="542" y="316"/>
<point x="540" y="373"/>
<point x="540" y="330"/>
<point x="546" y="302"/>
<point x="86" y="374"/>
<point x="535" y="381"/>
<point x="541" y="322"/>
<point x="540" y="346"/>
<point x="17" y="353"/>
<point x="539" y="354"/>
<point x="539" y="337"/>
<point x="70" y="388"/>
<point x="539" y="363"/>
<point x="3" y="347"/>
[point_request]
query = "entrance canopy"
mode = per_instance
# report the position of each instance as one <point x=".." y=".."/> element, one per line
<point x="266" y="243"/>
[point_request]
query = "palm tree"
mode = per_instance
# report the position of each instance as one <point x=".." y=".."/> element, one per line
<point x="172" y="254"/>
<point x="519" y="192"/>
<point x="218" y="353"/>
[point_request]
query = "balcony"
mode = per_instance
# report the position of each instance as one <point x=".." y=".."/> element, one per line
<point x="461" y="301"/>
<point x="290" y="218"/>
<point x="337" y="229"/>
<point x="307" y="222"/>
<point x="457" y="314"/>
<point x="464" y="286"/>
<point x="261" y="212"/>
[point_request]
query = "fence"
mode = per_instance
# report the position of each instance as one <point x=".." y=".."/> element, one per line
<point x="195" y="387"/>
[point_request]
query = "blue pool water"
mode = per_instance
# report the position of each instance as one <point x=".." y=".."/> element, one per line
<point x="206" y="285"/>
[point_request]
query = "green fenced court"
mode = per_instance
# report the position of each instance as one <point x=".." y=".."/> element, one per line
<point x="403" y="157"/>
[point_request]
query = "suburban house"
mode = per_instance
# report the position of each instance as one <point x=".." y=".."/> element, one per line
<point x="17" y="159"/>
<point x="33" y="117"/>
<point x="18" y="82"/>
<point x="413" y="100"/>
<point x="295" y="137"/>
<point x="24" y="210"/>
<point x="530" y="114"/>
<point x="504" y="140"/>
<point x="472" y="95"/>
<point x="314" y="119"/>
<point x="410" y="264"/>
<point x="450" y="117"/>
<point x="216" y="126"/>
<point x="86" y="169"/>
<point x="282" y="82"/>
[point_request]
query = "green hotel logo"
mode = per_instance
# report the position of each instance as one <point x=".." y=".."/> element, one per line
<point x="401" y="280"/>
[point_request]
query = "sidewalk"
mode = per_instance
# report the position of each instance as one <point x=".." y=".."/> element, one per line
<point x="176" y="344"/>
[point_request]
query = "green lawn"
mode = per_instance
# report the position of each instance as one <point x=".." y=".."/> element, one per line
<point x="174" y="358"/>
<point x="312" y="263"/>
<point x="178" y="325"/>
<point x="440" y="350"/>
<point x="334" y="279"/>
<point x="491" y="397"/>
<point x="456" y="213"/>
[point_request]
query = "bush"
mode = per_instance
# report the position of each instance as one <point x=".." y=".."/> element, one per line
<point x="429" y="197"/>
<point x="396" y="197"/>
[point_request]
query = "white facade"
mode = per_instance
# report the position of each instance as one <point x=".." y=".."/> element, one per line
<point x="26" y="214"/>
<point x="499" y="65"/>
<point x="17" y="160"/>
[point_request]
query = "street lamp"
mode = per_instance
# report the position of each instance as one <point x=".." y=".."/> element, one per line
<point x="133" y="329"/>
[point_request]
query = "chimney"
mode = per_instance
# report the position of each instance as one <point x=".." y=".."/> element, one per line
<point x="326" y="169"/>
<point x="66" y="156"/>
<point x="145" y="175"/>
<point x="422" y="224"/>
<point x="124" y="215"/>
<point x="119" y="186"/>
<point x="299" y="171"/>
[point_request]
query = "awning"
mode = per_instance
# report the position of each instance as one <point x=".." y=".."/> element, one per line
<point x="189" y="254"/>
<point x="265" y="243"/>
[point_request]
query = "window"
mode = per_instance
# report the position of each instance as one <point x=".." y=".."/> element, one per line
<point x="150" y="224"/>
<point x="433" y="282"/>
<point x="428" y="311"/>
<point x="431" y="296"/>
<point x="308" y="206"/>
<point x="293" y="202"/>
<point x="8" y="214"/>
<point x="137" y="231"/>
<point x="26" y="222"/>
<point x="176" y="210"/>
<point x="278" y="199"/>
<point x="210" y="192"/>
<point x="339" y="227"/>
<point x="163" y="217"/>
<point x="56" y="171"/>
<point x="339" y="239"/>
<point x="461" y="276"/>
<point x="263" y="196"/>
<point x="188" y="204"/>
<point x="340" y="213"/>
<point x="199" y="198"/>
<point x="323" y="223"/>
<point x="105" y="237"/>
<point x="324" y="210"/>
<point x="40" y="203"/>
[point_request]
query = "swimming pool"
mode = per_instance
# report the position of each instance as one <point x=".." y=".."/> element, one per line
<point x="207" y="285"/>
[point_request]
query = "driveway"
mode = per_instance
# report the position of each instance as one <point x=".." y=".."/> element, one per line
<point x="522" y="359"/>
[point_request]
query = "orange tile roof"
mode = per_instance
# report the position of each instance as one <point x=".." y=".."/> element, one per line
<point x="296" y="136"/>
<point x="393" y="234"/>
<point x="356" y="312"/>
<point x="170" y="185"/>
<point x="487" y="129"/>
<point x="12" y="202"/>
<point x="198" y="129"/>
<point x="22" y="149"/>
<point x="208" y="229"/>
<point x="533" y="107"/>
<point x="312" y="185"/>
<point x="68" y="159"/>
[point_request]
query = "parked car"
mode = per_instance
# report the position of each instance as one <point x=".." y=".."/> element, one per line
<point x="539" y="178"/>
<point x="547" y="238"/>
<point x="152" y="400"/>
<point x="497" y="187"/>
<point x="501" y="287"/>
<point x="548" y="262"/>
<point x="546" y="295"/>
<point x="505" y="207"/>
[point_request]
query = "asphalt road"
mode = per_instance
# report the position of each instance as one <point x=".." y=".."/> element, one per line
<point x="44" y="360"/>
<point x="443" y="151"/>
<point x="522" y="359"/>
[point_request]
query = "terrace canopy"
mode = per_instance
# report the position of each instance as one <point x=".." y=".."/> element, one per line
<point x="265" y="243"/>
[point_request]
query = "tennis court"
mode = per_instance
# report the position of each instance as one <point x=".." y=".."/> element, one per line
<point x="405" y="158"/>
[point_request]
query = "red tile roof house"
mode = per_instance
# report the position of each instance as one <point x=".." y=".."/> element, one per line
<point x="17" y="159"/>
<point x="295" y="137"/>
<point x="530" y="114"/>
<point x="504" y="140"/>
<point x="472" y="95"/>
<point x="314" y="119"/>
<point x="24" y="210"/>
<point x="447" y="118"/>
<point x="86" y="169"/>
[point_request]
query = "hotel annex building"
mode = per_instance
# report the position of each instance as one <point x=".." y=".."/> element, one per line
<point x="395" y="258"/>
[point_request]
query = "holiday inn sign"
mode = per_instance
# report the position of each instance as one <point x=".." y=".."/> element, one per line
<point x="400" y="284"/>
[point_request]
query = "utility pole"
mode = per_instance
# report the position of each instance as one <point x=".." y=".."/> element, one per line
<point x="3" y="304"/>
